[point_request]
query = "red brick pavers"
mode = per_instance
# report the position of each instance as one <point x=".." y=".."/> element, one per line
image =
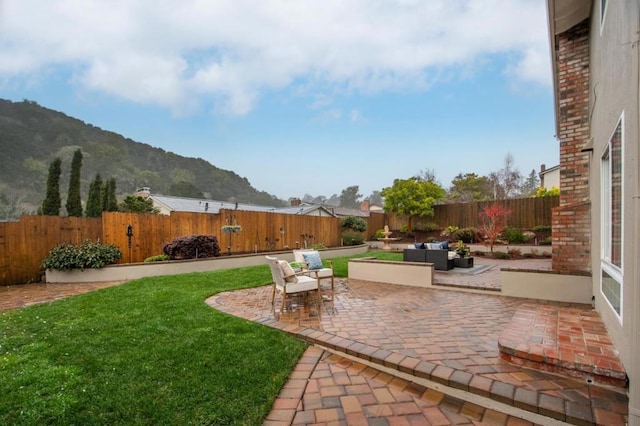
<point x="327" y="388"/>
<point x="562" y="339"/>
<point x="19" y="296"/>
<point x="448" y="337"/>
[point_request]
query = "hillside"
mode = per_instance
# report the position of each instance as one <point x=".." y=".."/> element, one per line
<point x="32" y="136"/>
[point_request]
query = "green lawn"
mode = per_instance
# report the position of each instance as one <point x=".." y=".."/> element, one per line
<point x="146" y="352"/>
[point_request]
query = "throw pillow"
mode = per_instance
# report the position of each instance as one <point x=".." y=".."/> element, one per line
<point x="444" y="245"/>
<point x="419" y="246"/>
<point x="313" y="260"/>
<point x="288" y="272"/>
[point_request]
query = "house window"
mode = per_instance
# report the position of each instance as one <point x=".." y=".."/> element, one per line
<point x="612" y="215"/>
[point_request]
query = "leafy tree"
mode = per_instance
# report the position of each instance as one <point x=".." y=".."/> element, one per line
<point x="110" y="201"/>
<point x="544" y="192"/>
<point x="350" y="198"/>
<point x="531" y="184"/>
<point x="493" y="220"/>
<point x="505" y="183"/>
<point x="375" y="199"/>
<point x="185" y="189"/>
<point x="136" y="204"/>
<point x="52" y="202"/>
<point x="355" y="223"/>
<point x="95" y="198"/>
<point x="74" y="202"/>
<point x="412" y="197"/>
<point x="428" y="175"/>
<point x="469" y="187"/>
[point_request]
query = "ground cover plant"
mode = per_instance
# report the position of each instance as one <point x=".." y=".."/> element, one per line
<point x="147" y="352"/>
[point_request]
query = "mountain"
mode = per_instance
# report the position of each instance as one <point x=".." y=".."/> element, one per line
<point x="32" y="136"/>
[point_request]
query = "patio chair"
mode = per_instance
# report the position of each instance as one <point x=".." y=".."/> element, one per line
<point x="314" y="266"/>
<point x="287" y="282"/>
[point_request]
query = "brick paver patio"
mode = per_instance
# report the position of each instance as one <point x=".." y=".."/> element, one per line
<point x="385" y="354"/>
<point x="447" y="338"/>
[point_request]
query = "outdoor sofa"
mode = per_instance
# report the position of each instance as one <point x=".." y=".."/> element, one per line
<point x="437" y="253"/>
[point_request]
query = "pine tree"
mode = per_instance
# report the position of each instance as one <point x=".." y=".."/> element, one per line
<point x="110" y="203"/>
<point x="52" y="203"/>
<point x="74" y="202"/>
<point x="95" y="198"/>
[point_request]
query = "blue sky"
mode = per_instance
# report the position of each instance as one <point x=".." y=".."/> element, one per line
<point x="299" y="97"/>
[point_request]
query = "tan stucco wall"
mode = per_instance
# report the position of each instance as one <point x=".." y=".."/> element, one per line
<point x="154" y="269"/>
<point x="383" y="271"/>
<point x="615" y="92"/>
<point x="546" y="286"/>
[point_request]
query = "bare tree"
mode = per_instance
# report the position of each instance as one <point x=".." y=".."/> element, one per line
<point x="506" y="182"/>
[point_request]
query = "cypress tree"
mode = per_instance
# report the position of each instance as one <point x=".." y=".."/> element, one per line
<point x="110" y="203"/>
<point x="95" y="198"/>
<point x="51" y="204"/>
<point x="74" y="202"/>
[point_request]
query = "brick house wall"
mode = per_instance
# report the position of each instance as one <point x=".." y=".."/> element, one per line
<point x="571" y="219"/>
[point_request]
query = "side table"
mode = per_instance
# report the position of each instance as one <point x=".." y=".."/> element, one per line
<point x="463" y="262"/>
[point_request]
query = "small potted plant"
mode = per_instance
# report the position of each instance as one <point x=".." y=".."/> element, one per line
<point x="462" y="250"/>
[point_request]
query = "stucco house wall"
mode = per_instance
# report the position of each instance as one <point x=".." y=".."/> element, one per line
<point x="610" y="33"/>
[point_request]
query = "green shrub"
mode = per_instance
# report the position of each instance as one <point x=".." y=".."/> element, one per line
<point x="318" y="246"/>
<point x="546" y="242"/>
<point x="192" y="247"/>
<point x="157" y="258"/>
<point x="513" y="235"/>
<point x="449" y="231"/>
<point x="379" y="234"/>
<point x="403" y="229"/>
<point x="542" y="228"/>
<point x="355" y="223"/>
<point x="87" y="254"/>
<point x="501" y="255"/>
<point x="431" y="227"/>
<point x="466" y="235"/>
<point x="352" y="238"/>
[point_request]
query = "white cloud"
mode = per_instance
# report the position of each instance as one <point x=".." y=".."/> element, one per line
<point x="227" y="52"/>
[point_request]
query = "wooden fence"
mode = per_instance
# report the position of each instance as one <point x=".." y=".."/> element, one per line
<point x="24" y="244"/>
<point x="525" y="214"/>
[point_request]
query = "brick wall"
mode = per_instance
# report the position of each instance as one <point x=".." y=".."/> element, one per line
<point x="571" y="219"/>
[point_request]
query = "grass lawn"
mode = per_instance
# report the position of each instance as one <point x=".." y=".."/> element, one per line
<point x="146" y="352"/>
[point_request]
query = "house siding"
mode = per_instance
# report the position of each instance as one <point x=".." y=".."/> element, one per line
<point x="614" y="85"/>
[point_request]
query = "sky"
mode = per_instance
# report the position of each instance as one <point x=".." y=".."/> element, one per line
<point x="297" y="96"/>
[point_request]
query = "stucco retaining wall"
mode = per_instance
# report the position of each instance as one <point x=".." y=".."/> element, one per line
<point x="125" y="272"/>
<point x="546" y="285"/>
<point x="414" y="274"/>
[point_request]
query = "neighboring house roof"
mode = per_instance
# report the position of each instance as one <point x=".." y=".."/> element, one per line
<point x="168" y="203"/>
<point x="343" y="211"/>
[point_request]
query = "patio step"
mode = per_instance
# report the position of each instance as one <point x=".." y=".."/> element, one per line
<point x="562" y="340"/>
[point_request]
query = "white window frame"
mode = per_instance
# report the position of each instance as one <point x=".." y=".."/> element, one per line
<point x="606" y="264"/>
<point x="603" y="13"/>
